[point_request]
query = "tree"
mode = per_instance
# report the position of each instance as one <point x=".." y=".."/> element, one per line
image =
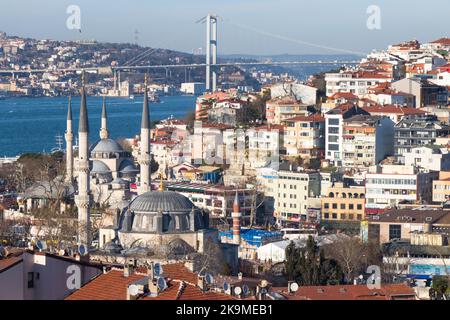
<point x="309" y="266"/>
<point x="351" y="255"/>
<point x="441" y="287"/>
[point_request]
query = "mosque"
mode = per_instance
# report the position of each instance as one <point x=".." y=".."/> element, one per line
<point x="151" y="218"/>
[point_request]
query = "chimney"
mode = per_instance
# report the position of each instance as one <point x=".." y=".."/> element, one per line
<point x="201" y="283"/>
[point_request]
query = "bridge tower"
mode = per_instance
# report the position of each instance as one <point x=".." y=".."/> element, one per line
<point x="211" y="52"/>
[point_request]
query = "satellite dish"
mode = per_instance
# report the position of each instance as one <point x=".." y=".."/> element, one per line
<point x="41" y="245"/>
<point x="245" y="289"/>
<point x="237" y="290"/>
<point x="161" y="283"/>
<point x="264" y="283"/>
<point x="209" y="278"/>
<point x="294" y="286"/>
<point x="82" y="250"/>
<point x="157" y="269"/>
<point x="133" y="290"/>
<point x="226" y="286"/>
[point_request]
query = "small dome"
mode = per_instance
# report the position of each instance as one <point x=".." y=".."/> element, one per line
<point x="99" y="167"/>
<point x="127" y="166"/>
<point x="167" y="201"/>
<point x="106" y="145"/>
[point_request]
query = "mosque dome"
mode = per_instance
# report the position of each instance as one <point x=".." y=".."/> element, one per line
<point x="106" y="145"/>
<point x="165" y="201"/>
<point x="163" y="212"/>
<point x="99" y="167"/>
<point x="127" y="166"/>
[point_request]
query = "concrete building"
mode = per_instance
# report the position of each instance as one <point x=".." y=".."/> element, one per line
<point x="426" y="93"/>
<point x="291" y="191"/>
<point x="31" y="275"/>
<point x="388" y="185"/>
<point x="441" y="187"/>
<point x="414" y="132"/>
<point x="280" y="109"/>
<point x="305" y="136"/>
<point x="193" y="88"/>
<point x="403" y="224"/>
<point x="301" y="92"/>
<point x="334" y="129"/>
<point x="430" y="158"/>
<point x="357" y="82"/>
<point x="366" y="140"/>
<point x="344" y="203"/>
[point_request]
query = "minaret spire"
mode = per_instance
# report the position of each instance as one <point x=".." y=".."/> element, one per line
<point x="236" y="215"/>
<point x="144" y="156"/>
<point x="104" y="125"/>
<point x="83" y="199"/>
<point x="69" y="143"/>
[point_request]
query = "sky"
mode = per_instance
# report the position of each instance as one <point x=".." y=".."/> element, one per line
<point x="259" y="27"/>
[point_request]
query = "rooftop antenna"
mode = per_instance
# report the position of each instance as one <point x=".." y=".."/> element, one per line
<point x="161" y="284"/>
<point x="209" y="279"/>
<point x="82" y="250"/>
<point x="41" y="245"/>
<point x="237" y="291"/>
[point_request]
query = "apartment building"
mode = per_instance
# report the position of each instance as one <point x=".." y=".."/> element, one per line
<point x="366" y="140"/>
<point x="429" y="158"/>
<point x="441" y="187"/>
<point x="414" y="132"/>
<point x="356" y="82"/>
<point x="265" y="145"/>
<point x="343" y="203"/>
<point x="426" y="92"/>
<point x="290" y="191"/>
<point x="280" y="109"/>
<point x="305" y="136"/>
<point x="389" y="185"/>
<point x="334" y="129"/>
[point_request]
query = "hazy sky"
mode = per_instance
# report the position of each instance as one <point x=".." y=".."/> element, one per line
<point x="283" y="26"/>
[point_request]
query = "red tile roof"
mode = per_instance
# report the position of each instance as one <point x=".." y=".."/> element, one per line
<point x="393" y="109"/>
<point x="444" y="41"/>
<point x="311" y="118"/>
<point x="349" y="292"/>
<point x="182" y="285"/>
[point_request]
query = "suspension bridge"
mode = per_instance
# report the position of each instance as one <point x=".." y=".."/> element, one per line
<point x="211" y="63"/>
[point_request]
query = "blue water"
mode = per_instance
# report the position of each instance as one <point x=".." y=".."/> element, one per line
<point x="31" y="124"/>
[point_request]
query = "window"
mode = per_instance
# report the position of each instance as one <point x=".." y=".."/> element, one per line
<point x="30" y="280"/>
<point x="343" y="216"/>
<point x="395" y="231"/>
<point x="326" y="206"/>
<point x="333" y="138"/>
<point x="334" y="215"/>
<point x="343" y="206"/>
<point x="333" y="122"/>
<point x="334" y="130"/>
<point x="334" y="205"/>
<point x="333" y="147"/>
<point x="351" y="206"/>
<point x="326" y="215"/>
<point x="359" y="206"/>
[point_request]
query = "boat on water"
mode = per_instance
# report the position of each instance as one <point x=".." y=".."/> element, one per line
<point x="153" y="97"/>
<point x="131" y="97"/>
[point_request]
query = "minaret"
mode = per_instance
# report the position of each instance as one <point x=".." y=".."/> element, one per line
<point x="144" y="155"/>
<point x="236" y="215"/>
<point x="104" y="126"/>
<point x="69" y="144"/>
<point x="82" y="199"/>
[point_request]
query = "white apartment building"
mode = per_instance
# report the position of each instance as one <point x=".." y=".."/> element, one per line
<point x="334" y="127"/>
<point x="292" y="192"/>
<point x="366" y="140"/>
<point x="429" y="158"/>
<point x="388" y="185"/>
<point x="357" y="83"/>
